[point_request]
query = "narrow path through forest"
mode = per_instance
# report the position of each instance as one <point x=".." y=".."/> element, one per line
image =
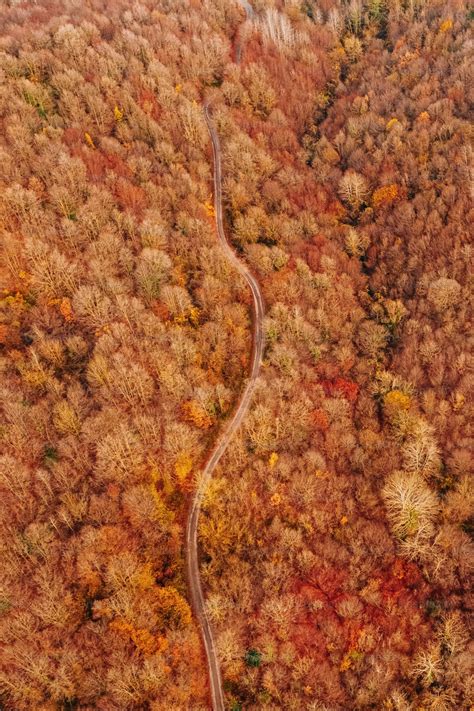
<point x="192" y="557"/>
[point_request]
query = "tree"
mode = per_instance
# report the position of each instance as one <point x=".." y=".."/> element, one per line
<point x="353" y="189"/>
<point x="253" y="658"/>
<point x="444" y="293"/>
<point x="412" y="508"/>
<point x="153" y="270"/>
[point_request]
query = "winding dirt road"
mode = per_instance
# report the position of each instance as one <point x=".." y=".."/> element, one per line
<point x="249" y="13"/>
<point x="192" y="557"/>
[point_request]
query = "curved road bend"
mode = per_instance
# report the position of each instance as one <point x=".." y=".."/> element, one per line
<point x="192" y="559"/>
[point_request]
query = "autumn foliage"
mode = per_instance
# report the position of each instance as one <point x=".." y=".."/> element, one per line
<point x="336" y="535"/>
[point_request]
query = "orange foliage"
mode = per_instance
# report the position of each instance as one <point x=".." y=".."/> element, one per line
<point x="147" y="101"/>
<point x="195" y="413"/>
<point x="191" y="316"/>
<point x="65" y="309"/>
<point x="90" y="581"/>
<point x="179" y="275"/>
<point x="276" y="499"/>
<point x="183" y="465"/>
<point x="89" y="140"/>
<point x="341" y="386"/>
<point x="161" y="310"/>
<point x="272" y="460"/>
<point x="396" y="400"/>
<point x="446" y="25"/>
<point x="385" y="195"/>
<point x="144" y="641"/>
<point x="130" y="197"/>
<point x="209" y="208"/>
<point x="145" y="578"/>
<point x="320" y="420"/>
<point x="173" y="606"/>
<point x="113" y="490"/>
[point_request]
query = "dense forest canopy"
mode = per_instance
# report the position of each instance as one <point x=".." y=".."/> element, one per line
<point x="336" y="536"/>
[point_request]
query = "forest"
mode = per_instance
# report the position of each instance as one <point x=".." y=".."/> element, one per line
<point x="336" y="533"/>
